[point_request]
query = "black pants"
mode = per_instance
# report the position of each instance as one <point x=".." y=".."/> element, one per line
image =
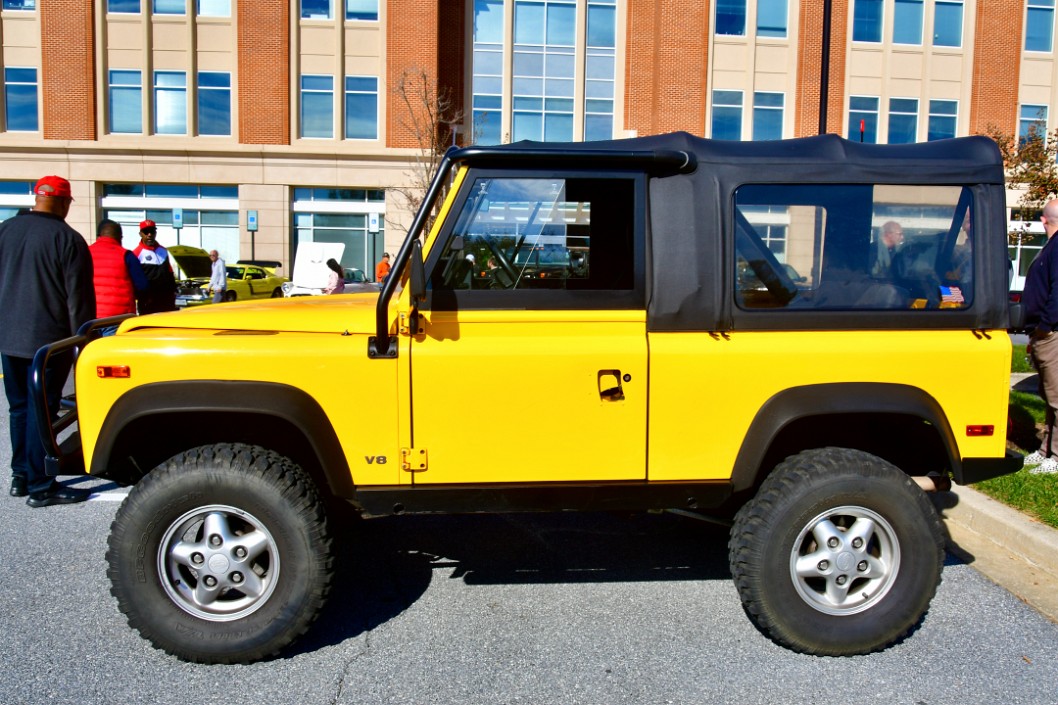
<point x="27" y="450"/>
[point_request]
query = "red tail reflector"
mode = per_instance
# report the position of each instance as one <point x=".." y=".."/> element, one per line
<point x="114" y="371"/>
<point x="980" y="430"/>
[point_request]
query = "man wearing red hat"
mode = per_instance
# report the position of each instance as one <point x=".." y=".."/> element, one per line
<point x="46" y="293"/>
<point x="160" y="294"/>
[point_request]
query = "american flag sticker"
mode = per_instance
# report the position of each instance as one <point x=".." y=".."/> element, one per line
<point x="951" y="295"/>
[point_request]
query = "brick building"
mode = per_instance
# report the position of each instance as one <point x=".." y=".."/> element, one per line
<point x="289" y="110"/>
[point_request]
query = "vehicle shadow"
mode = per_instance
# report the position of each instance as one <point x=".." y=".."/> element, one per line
<point x="383" y="566"/>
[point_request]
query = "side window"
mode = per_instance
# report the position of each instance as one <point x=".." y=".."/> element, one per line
<point x="853" y="247"/>
<point x="541" y="234"/>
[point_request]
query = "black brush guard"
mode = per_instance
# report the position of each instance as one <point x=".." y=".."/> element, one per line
<point x="65" y="457"/>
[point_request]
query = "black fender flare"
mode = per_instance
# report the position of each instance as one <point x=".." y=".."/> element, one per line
<point x="797" y="403"/>
<point x="254" y="398"/>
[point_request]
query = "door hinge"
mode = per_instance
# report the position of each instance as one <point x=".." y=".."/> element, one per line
<point x="413" y="460"/>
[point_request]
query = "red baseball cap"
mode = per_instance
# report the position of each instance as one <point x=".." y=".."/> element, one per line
<point x="53" y="186"/>
<point x="147" y="224"/>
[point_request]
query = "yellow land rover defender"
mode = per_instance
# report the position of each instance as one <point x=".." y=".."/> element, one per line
<point x="800" y="338"/>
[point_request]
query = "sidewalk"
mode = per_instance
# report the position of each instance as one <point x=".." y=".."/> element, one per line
<point x="1010" y="548"/>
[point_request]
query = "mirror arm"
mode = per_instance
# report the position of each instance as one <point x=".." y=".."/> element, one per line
<point x="382" y="345"/>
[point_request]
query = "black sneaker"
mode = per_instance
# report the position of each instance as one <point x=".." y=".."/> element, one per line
<point x="57" y="495"/>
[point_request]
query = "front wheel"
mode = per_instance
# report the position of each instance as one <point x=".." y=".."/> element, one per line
<point x="839" y="553"/>
<point x="221" y="555"/>
<point x="230" y="296"/>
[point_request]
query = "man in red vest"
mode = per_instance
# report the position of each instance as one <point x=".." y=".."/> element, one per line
<point x="118" y="274"/>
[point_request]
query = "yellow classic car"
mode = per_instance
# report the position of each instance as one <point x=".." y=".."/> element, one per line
<point x="246" y="280"/>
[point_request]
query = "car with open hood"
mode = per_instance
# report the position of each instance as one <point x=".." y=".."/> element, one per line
<point x="246" y="280"/>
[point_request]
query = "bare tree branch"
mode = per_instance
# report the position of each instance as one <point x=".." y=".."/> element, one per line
<point x="431" y="117"/>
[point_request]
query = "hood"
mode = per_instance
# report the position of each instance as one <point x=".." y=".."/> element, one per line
<point x="193" y="261"/>
<point x="310" y="263"/>
<point x="345" y="313"/>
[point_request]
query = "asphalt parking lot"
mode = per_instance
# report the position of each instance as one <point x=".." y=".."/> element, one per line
<point x="562" y="608"/>
<point x="586" y="608"/>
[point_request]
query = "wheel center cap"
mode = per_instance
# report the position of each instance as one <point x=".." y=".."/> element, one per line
<point x="218" y="563"/>
<point x="844" y="561"/>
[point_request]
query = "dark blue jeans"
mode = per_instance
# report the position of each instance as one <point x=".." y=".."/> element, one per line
<point x="27" y="451"/>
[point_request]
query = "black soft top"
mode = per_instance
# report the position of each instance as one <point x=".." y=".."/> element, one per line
<point x="691" y="205"/>
<point x="826" y="158"/>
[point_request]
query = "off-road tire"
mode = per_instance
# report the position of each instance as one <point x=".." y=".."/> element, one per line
<point x="161" y="559"/>
<point x="790" y="581"/>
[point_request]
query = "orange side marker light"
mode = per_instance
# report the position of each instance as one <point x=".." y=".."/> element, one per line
<point x="121" y="371"/>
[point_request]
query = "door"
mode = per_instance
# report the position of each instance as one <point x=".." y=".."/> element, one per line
<point x="531" y="364"/>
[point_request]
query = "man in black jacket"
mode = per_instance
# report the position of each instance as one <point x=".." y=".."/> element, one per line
<point x="1040" y="304"/>
<point x="46" y="293"/>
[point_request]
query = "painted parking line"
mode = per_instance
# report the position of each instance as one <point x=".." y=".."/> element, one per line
<point x="108" y="496"/>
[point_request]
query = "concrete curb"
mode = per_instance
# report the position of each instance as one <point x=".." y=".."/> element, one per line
<point x="1013" y="550"/>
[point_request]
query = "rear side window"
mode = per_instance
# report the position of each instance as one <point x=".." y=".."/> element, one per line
<point x="853" y="247"/>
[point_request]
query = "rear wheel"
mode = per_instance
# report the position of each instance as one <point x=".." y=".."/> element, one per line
<point x="221" y="555"/>
<point x="839" y="553"/>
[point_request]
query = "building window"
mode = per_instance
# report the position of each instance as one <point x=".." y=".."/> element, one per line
<point x="947" y="23"/>
<point x="15" y="196"/>
<point x="170" y="103"/>
<point x="126" y="102"/>
<point x="365" y="10"/>
<point x="731" y="17"/>
<point x="942" y="119"/>
<point x="771" y="18"/>
<point x="315" y="9"/>
<point x="767" y="115"/>
<point x="600" y="70"/>
<point x="727" y="115"/>
<point x="213" y="8"/>
<point x="1032" y="122"/>
<point x="544" y="48"/>
<point x="903" y="120"/>
<point x="214" y="103"/>
<point x="170" y="7"/>
<point x="20" y="99"/>
<point x="1039" y="25"/>
<point x="361" y="107"/>
<point x="123" y="6"/>
<point x="28" y="5"/>
<point x="907" y="22"/>
<point x="863" y="119"/>
<point x="560" y="81"/>
<point x="354" y="217"/>
<point x="488" y="71"/>
<point x="317" y="106"/>
<point x="867" y="21"/>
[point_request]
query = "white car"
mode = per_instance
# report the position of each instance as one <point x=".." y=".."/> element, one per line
<point x="311" y="272"/>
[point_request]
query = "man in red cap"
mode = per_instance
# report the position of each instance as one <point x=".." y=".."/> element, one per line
<point x="160" y="294"/>
<point x="46" y="293"/>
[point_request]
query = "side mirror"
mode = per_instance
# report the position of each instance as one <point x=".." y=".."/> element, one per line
<point x="417" y="273"/>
